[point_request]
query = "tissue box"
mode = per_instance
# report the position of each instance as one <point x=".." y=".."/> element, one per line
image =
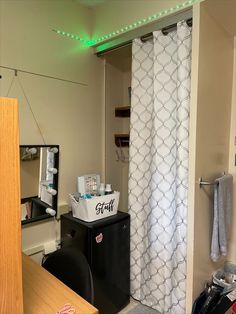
<point x="95" y="208"/>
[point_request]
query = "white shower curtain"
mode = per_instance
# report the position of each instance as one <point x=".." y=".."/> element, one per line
<point x="158" y="173"/>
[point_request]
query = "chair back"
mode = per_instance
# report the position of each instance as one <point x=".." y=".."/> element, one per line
<point x="71" y="267"/>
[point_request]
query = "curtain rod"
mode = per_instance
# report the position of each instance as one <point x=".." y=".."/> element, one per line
<point x="166" y="30"/>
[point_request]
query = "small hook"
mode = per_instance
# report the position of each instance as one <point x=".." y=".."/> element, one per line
<point x="117" y="156"/>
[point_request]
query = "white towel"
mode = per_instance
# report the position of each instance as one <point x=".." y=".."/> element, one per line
<point x="223" y="193"/>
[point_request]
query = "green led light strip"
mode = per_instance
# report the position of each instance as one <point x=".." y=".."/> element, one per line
<point x="151" y="18"/>
<point x="75" y="37"/>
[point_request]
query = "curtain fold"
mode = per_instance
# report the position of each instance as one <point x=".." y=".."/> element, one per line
<point x="158" y="172"/>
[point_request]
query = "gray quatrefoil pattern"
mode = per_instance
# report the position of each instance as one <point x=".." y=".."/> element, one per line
<point x="158" y="171"/>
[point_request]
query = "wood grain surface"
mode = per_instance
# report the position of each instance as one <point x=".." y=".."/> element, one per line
<point x="45" y="294"/>
<point x="11" y="300"/>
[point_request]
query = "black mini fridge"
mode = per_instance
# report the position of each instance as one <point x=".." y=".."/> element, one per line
<point x="106" y="245"/>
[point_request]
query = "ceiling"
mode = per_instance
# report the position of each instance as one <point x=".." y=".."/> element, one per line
<point x="91" y="3"/>
<point x="95" y="3"/>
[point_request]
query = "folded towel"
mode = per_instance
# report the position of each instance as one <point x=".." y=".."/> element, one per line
<point x="223" y="193"/>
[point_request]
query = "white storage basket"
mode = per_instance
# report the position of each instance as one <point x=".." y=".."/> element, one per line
<point x="95" y="208"/>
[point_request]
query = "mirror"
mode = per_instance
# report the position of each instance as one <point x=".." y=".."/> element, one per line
<point x="39" y="181"/>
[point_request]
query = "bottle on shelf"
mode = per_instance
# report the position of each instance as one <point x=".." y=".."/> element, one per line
<point x="108" y="189"/>
<point x="102" y="189"/>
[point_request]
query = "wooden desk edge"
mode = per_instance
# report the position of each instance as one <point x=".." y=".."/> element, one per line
<point x="42" y="292"/>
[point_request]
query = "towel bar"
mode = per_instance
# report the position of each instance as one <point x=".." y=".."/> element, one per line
<point x="201" y="182"/>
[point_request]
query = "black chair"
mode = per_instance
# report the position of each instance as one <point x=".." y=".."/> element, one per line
<point x="71" y="267"/>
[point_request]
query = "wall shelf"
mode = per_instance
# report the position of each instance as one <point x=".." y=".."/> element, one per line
<point x="122" y="140"/>
<point x="122" y="112"/>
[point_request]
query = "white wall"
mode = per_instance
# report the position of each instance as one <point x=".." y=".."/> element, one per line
<point x="232" y="166"/>
<point x="113" y="15"/>
<point x="117" y="83"/>
<point x="68" y="114"/>
<point x="209" y="136"/>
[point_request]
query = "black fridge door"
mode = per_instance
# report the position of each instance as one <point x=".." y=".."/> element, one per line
<point x="110" y="265"/>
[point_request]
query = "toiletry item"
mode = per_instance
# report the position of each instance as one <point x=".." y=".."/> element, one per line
<point x="88" y="184"/>
<point x="76" y="196"/>
<point x="102" y="189"/>
<point x="86" y="196"/>
<point x="108" y="189"/>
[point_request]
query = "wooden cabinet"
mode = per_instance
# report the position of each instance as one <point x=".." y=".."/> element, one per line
<point x="11" y="300"/>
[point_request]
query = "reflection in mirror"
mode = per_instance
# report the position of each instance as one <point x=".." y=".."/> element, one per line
<point x="39" y="181"/>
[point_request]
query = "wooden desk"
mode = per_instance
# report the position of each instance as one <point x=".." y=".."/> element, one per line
<point x="45" y="294"/>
